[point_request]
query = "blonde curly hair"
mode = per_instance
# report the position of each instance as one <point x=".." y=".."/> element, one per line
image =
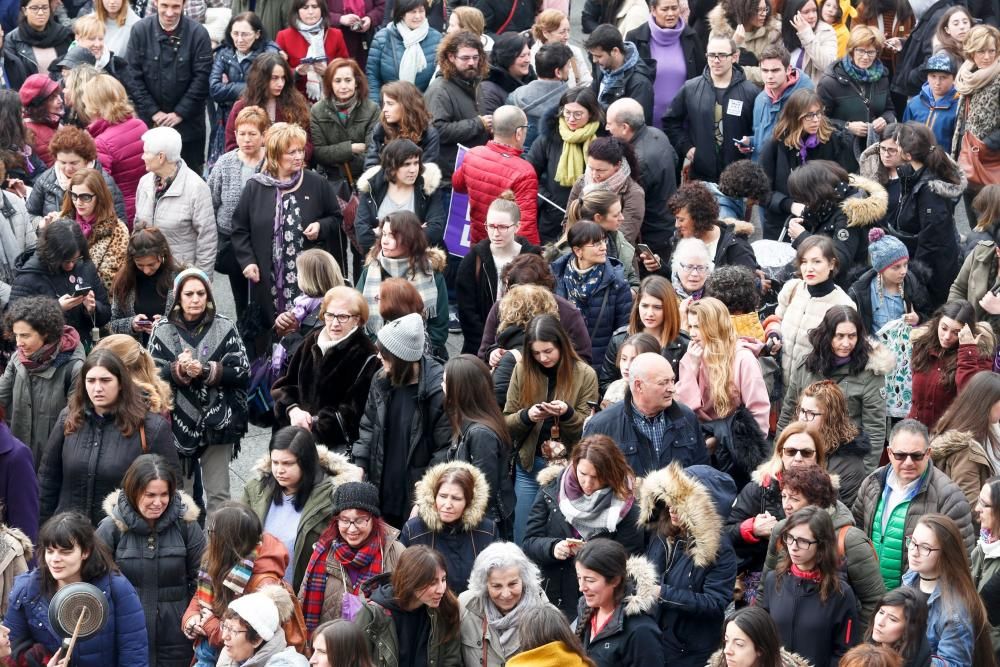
<point x="155" y="390"/>
<point x="524" y="302"/>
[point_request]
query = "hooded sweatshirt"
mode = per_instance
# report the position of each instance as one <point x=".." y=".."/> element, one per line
<point x="767" y="107"/>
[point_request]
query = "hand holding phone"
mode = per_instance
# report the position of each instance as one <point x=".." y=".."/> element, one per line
<point x="81" y="290"/>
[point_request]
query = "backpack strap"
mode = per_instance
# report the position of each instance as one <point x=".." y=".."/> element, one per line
<point x="842" y="541"/>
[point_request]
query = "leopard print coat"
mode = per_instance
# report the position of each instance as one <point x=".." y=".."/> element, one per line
<point x="108" y="246"/>
<point x="984" y="115"/>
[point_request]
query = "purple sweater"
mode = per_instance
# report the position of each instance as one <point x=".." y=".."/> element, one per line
<point x="18" y="485"/>
<point x="671" y="69"/>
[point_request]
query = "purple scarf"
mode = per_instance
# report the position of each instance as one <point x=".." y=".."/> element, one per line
<point x="810" y="142"/>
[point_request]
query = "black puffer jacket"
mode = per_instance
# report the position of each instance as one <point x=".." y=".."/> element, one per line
<point x="733" y="247"/>
<point x="544" y="157"/>
<point x="80" y="469"/>
<point x="452" y="106"/>
<point x="762" y="494"/>
<point x="637" y="83"/>
<point x="658" y="166"/>
<point x="609" y="371"/>
<point x="162" y="564"/>
<point x="847" y="100"/>
<point x="547" y="526"/>
<point x="848" y="461"/>
<point x="479" y="445"/>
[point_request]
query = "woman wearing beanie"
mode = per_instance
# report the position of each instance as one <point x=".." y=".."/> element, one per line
<point x="893" y="288"/>
<point x="451" y="501"/>
<point x="201" y="353"/>
<point x="43" y="112"/>
<point x="404" y="429"/>
<point x="251" y="631"/>
<point x="356" y="546"/>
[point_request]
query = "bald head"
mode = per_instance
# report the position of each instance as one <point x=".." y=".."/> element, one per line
<point x="651" y="381"/>
<point x="625" y="117"/>
<point x="509" y="124"/>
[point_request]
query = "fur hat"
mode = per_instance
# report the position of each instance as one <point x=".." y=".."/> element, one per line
<point x="885" y="250"/>
<point x="404" y="337"/>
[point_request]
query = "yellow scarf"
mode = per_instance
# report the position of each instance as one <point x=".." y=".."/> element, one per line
<point x="572" y="161"/>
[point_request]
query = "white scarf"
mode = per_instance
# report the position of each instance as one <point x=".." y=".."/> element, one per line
<point x="103" y="61"/>
<point x="315" y="34"/>
<point x="413" y="61"/>
<point x="62" y="180"/>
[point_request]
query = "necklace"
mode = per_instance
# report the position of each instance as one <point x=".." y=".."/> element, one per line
<point x="923" y="578"/>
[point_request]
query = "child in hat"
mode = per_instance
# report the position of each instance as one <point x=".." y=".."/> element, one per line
<point x="893" y="288"/>
<point x="936" y="105"/>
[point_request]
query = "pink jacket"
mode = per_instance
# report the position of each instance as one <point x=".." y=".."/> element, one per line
<point x="119" y="148"/>
<point x="692" y="387"/>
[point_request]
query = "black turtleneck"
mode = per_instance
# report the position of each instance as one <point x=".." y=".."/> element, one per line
<point x="821" y="289"/>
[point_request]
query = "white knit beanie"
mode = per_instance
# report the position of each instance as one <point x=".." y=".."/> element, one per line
<point x="259" y="612"/>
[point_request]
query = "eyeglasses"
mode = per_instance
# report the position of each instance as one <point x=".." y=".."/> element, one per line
<point x="38" y="9"/>
<point x="499" y="228"/>
<point x="242" y="35"/>
<point x="693" y="268"/>
<point x="603" y="243"/>
<point x="799" y="542"/>
<point x="467" y="59"/>
<point x="902" y="456"/>
<point x="84" y="197"/>
<point x="811" y="115"/>
<point x="718" y="56"/>
<point x="343" y="318"/>
<point x="360" y="523"/>
<point x="808" y="415"/>
<point x="763" y="11"/>
<point x="573" y="115"/>
<point x="887" y="150"/>
<point x="921" y="549"/>
<point x="870" y="53"/>
<point x="790" y="452"/>
<point x="230" y="630"/>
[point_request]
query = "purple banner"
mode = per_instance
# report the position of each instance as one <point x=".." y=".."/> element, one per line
<point x="456" y="231"/>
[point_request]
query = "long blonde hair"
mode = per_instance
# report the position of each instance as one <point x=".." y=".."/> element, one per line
<point x="140" y="365"/>
<point x="719" y="340"/>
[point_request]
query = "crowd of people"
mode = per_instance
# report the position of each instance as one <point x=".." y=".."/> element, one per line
<point x="728" y="389"/>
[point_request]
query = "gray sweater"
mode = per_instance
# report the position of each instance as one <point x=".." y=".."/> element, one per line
<point x="226" y="183"/>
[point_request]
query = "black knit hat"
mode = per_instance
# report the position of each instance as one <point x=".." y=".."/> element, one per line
<point x="356" y="496"/>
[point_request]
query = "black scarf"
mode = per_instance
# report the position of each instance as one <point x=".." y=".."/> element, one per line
<point x="52" y="35"/>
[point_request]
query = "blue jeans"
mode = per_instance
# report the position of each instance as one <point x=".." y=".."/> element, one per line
<point x="205" y="655"/>
<point x="525" y="490"/>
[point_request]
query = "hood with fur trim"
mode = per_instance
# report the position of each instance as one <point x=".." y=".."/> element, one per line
<point x="335" y="466"/>
<point x="868" y="205"/>
<point x="549" y="473"/>
<point x="189" y="514"/>
<point x="644" y="590"/>
<point x="718" y="659"/>
<point x="14" y="538"/>
<point x="881" y="360"/>
<point x="475" y="507"/>
<point x="281" y="598"/>
<point x="430" y="174"/>
<point x="950" y="442"/>
<point x="870" y="166"/>
<point x="693" y="504"/>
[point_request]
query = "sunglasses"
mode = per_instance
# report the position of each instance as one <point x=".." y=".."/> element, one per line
<point x="85" y="197"/>
<point x="902" y="456"/>
<point x="790" y="452"/>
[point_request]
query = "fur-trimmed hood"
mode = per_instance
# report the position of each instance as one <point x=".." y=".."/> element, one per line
<point x="719" y="24"/>
<point x="549" y="473"/>
<point x="11" y="537"/>
<point x="335" y="466"/>
<point x="430" y="178"/>
<point x="870" y="166"/>
<point x="644" y="591"/>
<point x="436" y="257"/>
<point x="740" y="227"/>
<point x="475" y="508"/>
<point x="951" y="442"/>
<point x="868" y="205"/>
<point x="691" y="500"/>
<point x="188" y="513"/>
<point x="718" y="659"/>
<point x="881" y="361"/>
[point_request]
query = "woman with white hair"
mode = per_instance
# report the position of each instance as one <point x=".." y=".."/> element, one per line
<point x="175" y="200"/>
<point x="504" y="584"/>
<point x="690" y="267"/>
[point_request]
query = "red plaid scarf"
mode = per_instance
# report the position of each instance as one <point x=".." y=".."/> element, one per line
<point x="360" y="564"/>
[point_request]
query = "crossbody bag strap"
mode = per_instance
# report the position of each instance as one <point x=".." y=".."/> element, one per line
<point x="142" y="438"/>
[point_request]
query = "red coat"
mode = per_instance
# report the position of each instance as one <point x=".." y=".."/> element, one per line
<point x="119" y="149"/>
<point x="930" y="397"/>
<point x="278" y="118"/>
<point x="486" y="172"/>
<point x="43" y="135"/>
<point x="295" y="46"/>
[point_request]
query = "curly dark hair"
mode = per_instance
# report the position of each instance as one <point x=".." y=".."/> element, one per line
<point x="528" y="269"/>
<point x="821" y="360"/>
<point x="59" y="242"/>
<point x="735" y="286"/>
<point x="41" y="313"/>
<point x="699" y="203"/>
<point x="813" y="482"/>
<point x="745" y="179"/>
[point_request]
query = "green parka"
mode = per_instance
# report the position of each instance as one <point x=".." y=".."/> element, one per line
<point x="332" y="137"/>
<point x="375" y="619"/>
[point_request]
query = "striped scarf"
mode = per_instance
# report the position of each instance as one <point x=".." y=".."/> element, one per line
<point x="236" y="580"/>
<point x="397" y="267"/>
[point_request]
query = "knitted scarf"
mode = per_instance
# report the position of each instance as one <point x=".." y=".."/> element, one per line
<point x="86" y="224"/>
<point x="580" y="285"/>
<point x="612" y="78"/>
<point x="870" y="75"/>
<point x="572" y="160"/>
<point x="345" y="108"/>
<point x="315" y="35"/>
<point x="682" y="293"/>
<point x="505" y="627"/>
<point x="970" y="80"/>
<point x="589" y="515"/>
<point x="392" y="267"/>
<point x="811" y="575"/>
<point x="413" y="61"/>
<point x="57" y="352"/>
<point x="235" y="580"/>
<point x="51" y="36"/>
<point x="361" y="564"/>
<point x="278" y="241"/>
<point x="616" y="182"/>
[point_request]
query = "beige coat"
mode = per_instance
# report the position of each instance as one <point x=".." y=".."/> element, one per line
<point x="15" y="551"/>
<point x="800" y="313"/>
<point x="820" y="46"/>
<point x="959" y="456"/>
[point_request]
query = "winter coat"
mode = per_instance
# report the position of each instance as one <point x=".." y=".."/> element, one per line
<point x="273" y="14"/>
<point x="633" y="200"/>
<point x="985" y="567"/>
<point x="821" y="631"/>
<point x="332" y="138"/>
<point x="940" y="115"/>
<point x="123" y="312"/>
<point x="544" y="157"/>
<point x="20" y="46"/>
<point x="619" y="248"/>
<point x="570" y="318"/>
<point x="461" y="541"/>
<point x="18" y="489"/>
<point x="977" y="276"/>
<point x="291" y="42"/>
<point x="925" y="223"/>
<point x="683" y="441"/>
<point x="498" y="84"/>
<point x="525" y="433"/>
<point x="859" y="561"/>
<point x="33" y="401"/>
<point x="689" y="122"/>
<point x="121" y="642"/>
<point x="479" y="639"/>
<point x="15" y="552"/>
<point x="479" y="445"/>
<point x="185" y="215"/>
<point x="478" y="288"/>
<point x="847" y="100"/>
<point x="119" y="150"/>
<point x="696" y="568"/>
<point x="452" y="106"/>
<point x="693" y="387"/>
<point x="373" y="188"/>
<point x="950" y="634"/>
<point x="375" y="619"/>
<point x="275" y="652"/>
<point x="162" y="564"/>
<point x="608" y="307"/>
<point x="228" y="78"/>
<point x="935" y="493"/>
<point x="108" y="248"/>
<point x="547" y="526"/>
<point x="630" y="638"/>
<point x="429" y="143"/>
<point x="762" y="494"/>
<point x="332" y="471"/>
<point x="733" y="247"/>
<point x="965" y="461"/>
<point x="864" y="392"/>
<point x="357" y="42"/>
<point x="915" y="294"/>
<point x="80" y="469"/>
<point x="819" y="47"/>
<point x="385" y="54"/>
<point x="979" y="116"/>
<point x="637" y="81"/>
<point x="487" y="172"/>
<point x="47" y="196"/>
<point x="14" y="70"/>
<point x="767" y="110"/>
<point x="229" y="130"/>
<point x="553" y="654"/>
<point x="847" y="462"/>
<point x="42" y="135"/>
<point x="630" y="14"/>
<point x="33" y="279"/>
<point x="721" y="24"/>
<point x="800" y="313"/>
<point x="430" y="424"/>
<point x="539" y="99"/>
<point x="609" y="372"/>
<point x="331" y="386"/>
<point x="691" y="46"/>
<point x="169" y="79"/>
<point x="718" y="659"/>
<point x="917" y="48"/>
<point x="658" y="164"/>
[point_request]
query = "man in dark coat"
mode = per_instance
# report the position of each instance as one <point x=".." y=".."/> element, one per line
<point x="650" y="427"/>
<point x="170" y="59"/>
<point x="620" y="70"/>
<point x="713" y="110"/>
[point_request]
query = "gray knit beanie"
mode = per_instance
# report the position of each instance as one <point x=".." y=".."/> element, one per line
<point x="404" y="337"/>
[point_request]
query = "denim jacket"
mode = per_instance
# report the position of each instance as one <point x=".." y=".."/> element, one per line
<point x="949" y="633"/>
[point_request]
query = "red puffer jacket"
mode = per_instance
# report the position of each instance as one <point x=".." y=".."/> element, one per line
<point x="486" y="172"/>
<point x="119" y="148"/>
